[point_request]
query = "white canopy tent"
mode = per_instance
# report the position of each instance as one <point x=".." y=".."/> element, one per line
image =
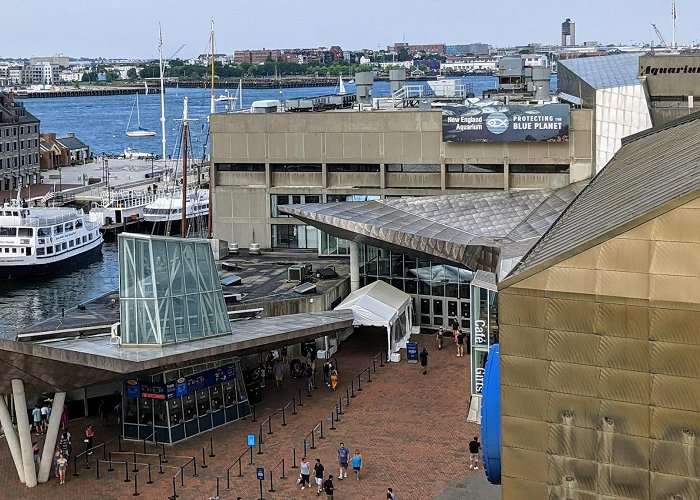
<point x="380" y="304"/>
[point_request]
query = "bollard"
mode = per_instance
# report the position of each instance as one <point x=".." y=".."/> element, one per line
<point x="254" y="419"/>
<point x="126" y="472"/>
<point x="135" y="469"/>
<point x="194" y="462"/>
<point x="369" y="374"/>
<point x="359" y="382"/>
<point x="174" y="496"/>
<point x="294" y="406"/>
<point x="111" y="469"/>
<point x="160" y="464"/>
<point x="165" y="459"/>
<point x="294" y="458"/>
<point x="204" y="460"/>
<point x="284" y="418"/>
<point x="136" y="486"/>
<point x="332" y="422"/>
<point x="211" y="448"/>
<point x="97" y="468"/>
<point x="150" y="479"/>
<point x="352" y="388"/>
<point x="301" y="402"/>
<point x="269" y="425"/>
<point x="75" y="466"/>
<point x="272" y="487"/>
<point x="322" y="436"/>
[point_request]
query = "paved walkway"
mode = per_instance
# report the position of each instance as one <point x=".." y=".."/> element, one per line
<point x="410" y="428"/>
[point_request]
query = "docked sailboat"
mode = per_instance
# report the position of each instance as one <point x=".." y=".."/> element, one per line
<point x="139" y="131"/>
<point x="36" y="241"/>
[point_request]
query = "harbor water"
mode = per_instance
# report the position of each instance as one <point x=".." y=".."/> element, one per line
<point x="100" y="121"/>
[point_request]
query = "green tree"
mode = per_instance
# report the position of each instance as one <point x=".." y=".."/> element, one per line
<point x="132" y="74"/>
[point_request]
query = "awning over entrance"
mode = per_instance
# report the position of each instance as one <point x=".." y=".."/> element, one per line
<point x="380" y="304"/>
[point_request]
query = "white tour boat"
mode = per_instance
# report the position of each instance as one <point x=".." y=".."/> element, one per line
<point x="168" y="207"/>
<point x="38" y="240"/>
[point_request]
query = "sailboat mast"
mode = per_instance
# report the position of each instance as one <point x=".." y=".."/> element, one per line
<point x="185" y="134"/>
<point x="162" y="94"/>
<point x="138" y="113"/>
<point x="213" y="105"/>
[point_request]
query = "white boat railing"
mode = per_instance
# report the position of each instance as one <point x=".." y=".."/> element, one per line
<point x="47" y="221"/>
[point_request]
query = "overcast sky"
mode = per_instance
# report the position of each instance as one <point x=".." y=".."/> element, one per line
<point x="129" y="28"/>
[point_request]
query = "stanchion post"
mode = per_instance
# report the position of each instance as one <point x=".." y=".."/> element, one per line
<point x="269" y="425"/>
<point x="174" y="496"/>
<point x="332" y="421"/>
<point x="211" y="448"/>
<point x="254" y="419"/>
<point x="347" y="397"/>
<point x="126" y="472"/>
<point x="294" y="458"/>
<point x="97" y="468"/>
<point x="374" y="365"/>
<point x="284" y="418"/>
<point x="204" y="460"/>
<point x="352" y="388"/>
<point x="322" y="436"/>
<point x="283" y="476"/>
<point x="240" y="467"/>
<point x="313" y="441"/>
<point x="272" y="487"/>
<point x="111" y="469"/>
<point x="359" y="382"/>
<point x="260" y="434"/>
<point x="160" y="464"/>
<point x="75" y="466"/>
<point x="294" y="405"/>
<point x="194" y="462"/>
<point x="104" y="451"/>
<point x="144" y="446"/>
<point x="260" y="452"/>
<point x="165" y="458"/>
<point x="228" y="478"/>
<point x="251" y="455"/>
<point x="369" y="374"/>
<point x="150" y="479"/>
<point x="182" y="475"/>
<point x="340" y="405"/>
<point x="305" y="446"/>
<point x="217" y="487"/>
<point x="136" y="485"/>
<point x="301" y="401"/>
<point x="135" y="469"/>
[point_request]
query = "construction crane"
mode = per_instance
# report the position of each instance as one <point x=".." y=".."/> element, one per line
<point x="658" y="34"/>
<point x="179" y="49"/>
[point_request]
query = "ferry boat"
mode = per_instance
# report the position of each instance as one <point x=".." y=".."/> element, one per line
<point x="117" y="207"/>
<point x="168" y="208"/>
<point x="37" y="241"/>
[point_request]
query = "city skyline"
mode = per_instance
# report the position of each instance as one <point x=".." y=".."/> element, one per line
<point x="129" y="29"/>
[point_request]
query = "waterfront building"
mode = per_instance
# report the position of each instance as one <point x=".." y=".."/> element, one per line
<point x="60" y="60"/>
<point x="45" y="73"/>
<point x="19" y="144"/>
<point x="471" y="65"/>
<point x="672" y="82"/>
<point x="568" y="33"/>
<point x="62" y="151"/>
<point x="470" y="49"/>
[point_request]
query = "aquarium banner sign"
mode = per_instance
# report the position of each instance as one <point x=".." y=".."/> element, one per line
<point x="489" y="121"/>
<point x="182" y="386"/>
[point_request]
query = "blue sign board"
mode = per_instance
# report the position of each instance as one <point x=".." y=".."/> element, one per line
<point x="412" y="352"/>
<point x="182" y="386"/>
<point x="251" y="439"/>
<point x="260" y="473"/>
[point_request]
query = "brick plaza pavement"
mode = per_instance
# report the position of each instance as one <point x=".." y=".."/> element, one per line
<point x="410" y="428"/>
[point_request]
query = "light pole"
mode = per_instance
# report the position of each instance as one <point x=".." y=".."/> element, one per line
<point x="152" y="158"/>
<point x="60" y="180"/>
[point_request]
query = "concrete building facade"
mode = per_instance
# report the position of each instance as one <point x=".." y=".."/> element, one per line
<point x="672" y="82"/>
<point x="264" y="160"/>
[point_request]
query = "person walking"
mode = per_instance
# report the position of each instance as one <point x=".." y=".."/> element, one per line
<point x="390" y="495"/>
<point x="305" y="472"/>
<point x="64" y="417"/>
<point x="460" y="343"/>
<point x="89" y="437"/>
<point x="328" y="487"/>
<point x="319" y="474"/>
<point x="309" y="378"/>
<point x="357" y="464"/>
<point x="64" y="445"/>
<point x="56" y="456"/>
<point x="62" y="467"/>
<point x="424" y="360"/>
<point x="36" y="416"/>
<point x="44" y="418"/>
<point x="440" y="338"/>
<point x="37" y="455"/>
<point x="279" y="372"/>
<point x="327" y="373"/>
<point x="334" y="380"/>
<point x="455" y="327"/>
<point x="343" y="458"/>
<point x="474" y="447"/>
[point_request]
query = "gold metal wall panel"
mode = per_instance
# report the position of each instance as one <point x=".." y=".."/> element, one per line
<point x="675" y="392"/>
<point x="523" y="310"/>
<point x="676" y="258"/>
<point x="622" y="284"/>
<point x="524" y="403"/>
<point x="680" y="224"/>
<point x="584" y="260"/>
<point x="524" y="433"/>
<point x="629" y="418"/>
<point x="521" y="489"/>
<point x="627" y="451"/>
<point x="523" y="341"/>
<point x="623" y="320"/>
<point x="625" y="482"/>
<point x="571" y="315"/>
<point x="536" y="281"/>
<point x="627" y="255"/>
<point x="666" y="486"/>
<point x="624" y="385"/>
<point x="642" y="232"/>
<point x="572" y="280"/>
<point x="525" y="464"/>
<point x="579" y="348"/>
<point x="672" y="289"/>
<point x="675" y="359"/>
<point x="584" y="411"/>
<point x="574" y="442"/>
<point x="669" y="424"/>
<point x="524" y="372"/>
<point x="583" y="472"/>
<point x="675" y="458"/>
<point x="674" y="325"/>
<point x="568" y="378"/>
<point x="624" y="354"/>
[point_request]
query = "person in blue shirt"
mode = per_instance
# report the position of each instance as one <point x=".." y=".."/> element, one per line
<point x="343" y="458"/>
<point x="357" y="464"/>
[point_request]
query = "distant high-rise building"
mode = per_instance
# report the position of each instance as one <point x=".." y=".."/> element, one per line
<point x="568" y="33"/>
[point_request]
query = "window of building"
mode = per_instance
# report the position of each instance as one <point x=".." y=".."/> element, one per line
<point x="334" y="198"/>
<point x="240" y="167"/>
<point x="468" y="168"/>
<point x="290" y="199"/>
<point x="412" y="168"/>
<point x="296" y="167"/>
<point x="352" y="167"/>
<point x="294" y="236"/>
<point x="539" y="169"/>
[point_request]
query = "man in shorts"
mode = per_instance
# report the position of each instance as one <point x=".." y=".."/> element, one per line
<point x="474" y="447"/>
<point x="328" y="487"/>
<point x="36" y="416"/>
<point x="343" y="458"/>
<point x="460" y="343"/>
<point x="318" y="474"/>
<point x="357" y="464"/>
